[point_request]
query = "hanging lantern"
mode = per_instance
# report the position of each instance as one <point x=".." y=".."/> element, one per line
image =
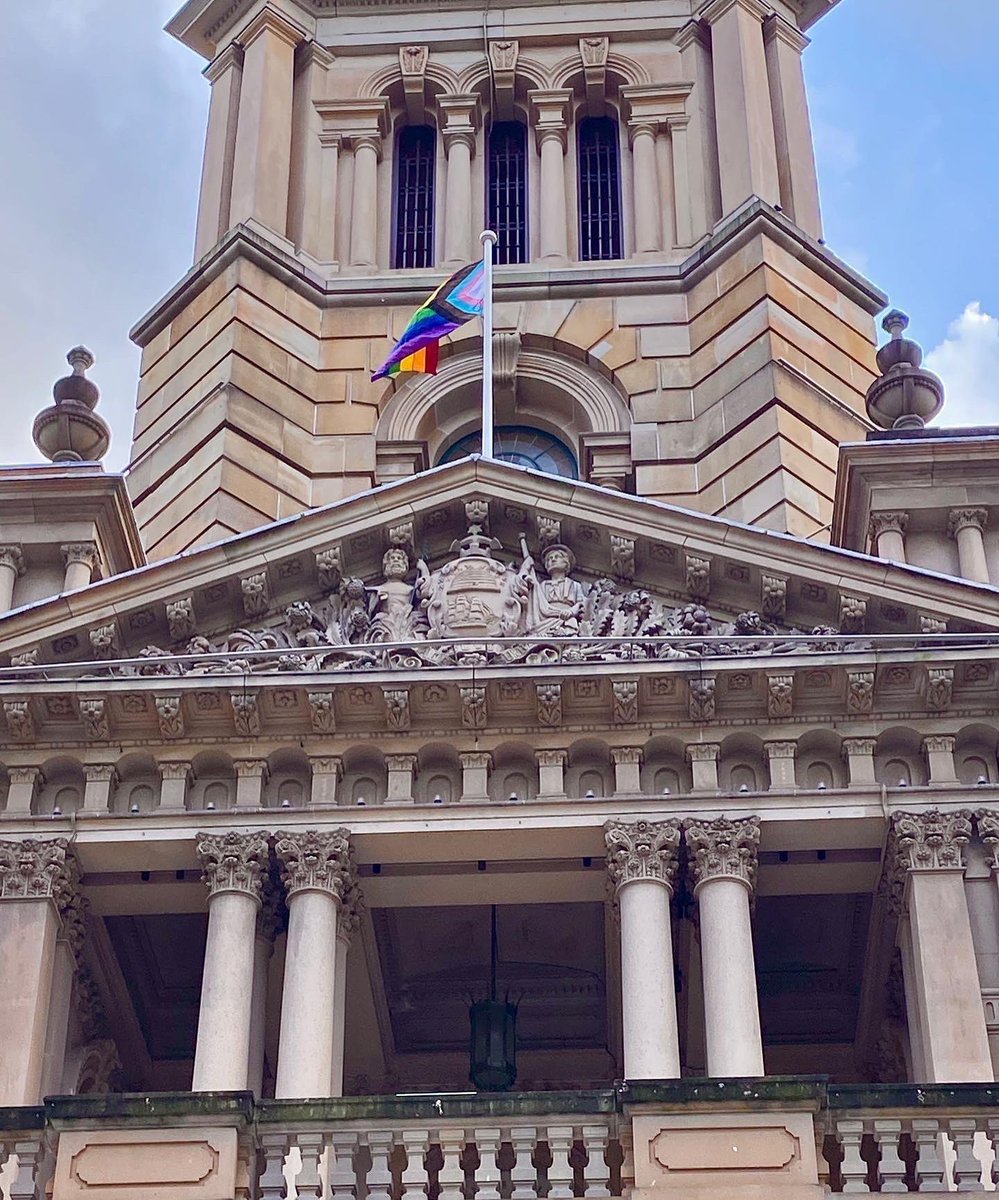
<point x="494" y="1033"/>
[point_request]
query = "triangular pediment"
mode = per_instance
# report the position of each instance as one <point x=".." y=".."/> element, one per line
<point x="638" y="569"/>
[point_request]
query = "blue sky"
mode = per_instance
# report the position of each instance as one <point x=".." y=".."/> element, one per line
<point x="102" y="121"/>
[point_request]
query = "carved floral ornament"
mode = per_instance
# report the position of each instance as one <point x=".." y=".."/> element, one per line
<point x="642" y="850"/>
<point x="313" y="861"/>
<point x="36" y="869"/>
<point x="233" y="862"/>
<point x="722" y="848"/>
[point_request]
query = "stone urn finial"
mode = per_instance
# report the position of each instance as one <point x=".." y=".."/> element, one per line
<point x="70" y="430"/>
<point x="905" y="395"/>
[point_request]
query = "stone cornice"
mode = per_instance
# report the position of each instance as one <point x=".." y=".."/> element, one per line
<point x="271" y="20"/>
<point x="723" y="849"/>
<point x="233" y="862"/>
<point x="642" y="850"/>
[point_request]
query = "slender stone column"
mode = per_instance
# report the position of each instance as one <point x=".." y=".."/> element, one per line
<point x="551" y="772"/>
<point x="262" y="157"/>
<point x="799" y="185"/>
<point x="224" y="73"/>
<point x="887" y="534"/>
<point x="642" y="861"/>
<point x="351" y="912"/>
<point x="627" y="769"/>
<point x="36" y="877"/>
<point x="747" y="150"/>
<point x="461" y="119"/>
<point x="269" y="921"/>
<point x="647" y="201"/>
<point x="475" y="767"/>
<point x="317" y="870"/>
<point x="858" y="754"/>
<point x="703" y="758"/>
<point x="81" y="560"/>
<point x="925" y="867"/>
<point x="967" y="525"/>
<point x="11" y="568"/>
<point x="233" y="865"/>
<point x="780" y="760"/>
<point x="550" y="123"/>
<point x="724" y="865"/>
<point x="939" y="753"/>
<point x="364" y="209"/>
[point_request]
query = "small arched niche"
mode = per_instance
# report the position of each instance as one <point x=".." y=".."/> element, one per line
<point x="62" y="792"/>
<point x="138" y="786"/>
<point x="665" y="770"/>
<point x="819" y="762"/>
<point x="365" y="777"/>
<point x="438" y="777"/>
<point x="741" y="765"/>
<point x="214" y="786"/>
<point x="289" y="783"/>
<point x="589" y="772"/>
<point x="898" y="759"/>
<point x="515" y="773"/>
<point x="975" y="755"/>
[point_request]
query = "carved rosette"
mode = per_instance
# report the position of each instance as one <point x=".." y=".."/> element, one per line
<point x="642" y="850"/>
<point x="233" y="862"/>
<point x="314" y="861"/>
<point x="35" y="869"/>
<point x="724" y="849"/>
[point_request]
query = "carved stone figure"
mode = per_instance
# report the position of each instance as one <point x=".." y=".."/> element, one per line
<point x="555" y="604"/>
<point x="396" y="618"/>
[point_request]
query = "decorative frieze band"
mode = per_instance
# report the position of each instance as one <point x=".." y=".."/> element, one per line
<point x="721" y="848"/>
<point x="233" y="862"/>
<point x="642" y="850"/>
<point x="314" y="861"/>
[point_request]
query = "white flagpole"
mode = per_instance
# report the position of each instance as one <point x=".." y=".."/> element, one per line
<point x="488" y="240"/>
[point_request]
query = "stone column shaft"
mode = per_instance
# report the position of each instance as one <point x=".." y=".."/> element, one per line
<point x="60" y="1009"/>
<point x="642" y="862"/>
<point x="967" y="525"/>
<point x="725" y="857"/>
<point x="80" y="559"/>
<point x="887" y="530"/>
<point x="262" y="161"/>
<point x="262" y="950"/>
<point x="350" y="920"/>
<point x="317" y="872"/>
<point x="747" y="149"/>
<point x="648" y="205"/>
<point x="326" y="241"/>
<point x="799" y="186"/>
<point x="224" y="74"/>
<point x="11" y="566"/>
<point x="550" y="114"/>
<point x="458" y="200"/>
<point x="364" y="208"/>
<point x="683" y="186"/>
<point x="233" y="866"/>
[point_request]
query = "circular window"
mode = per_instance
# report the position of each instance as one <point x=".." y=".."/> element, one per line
<point x="521" y="445"/>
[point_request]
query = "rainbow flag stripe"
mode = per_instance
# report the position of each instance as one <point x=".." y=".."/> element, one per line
<point x="456" y="301"/>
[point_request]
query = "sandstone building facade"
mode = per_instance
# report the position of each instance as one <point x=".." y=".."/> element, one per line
<point x="615" y="816"/>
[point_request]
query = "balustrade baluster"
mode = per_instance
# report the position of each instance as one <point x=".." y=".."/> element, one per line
<point x="414" y="1176"/>
<point x="272" y="1184"/>
<point x="967" y="1168"/>
<point x="29" y="1161"/>
<point x="487" y="1176"/>
<point x="892" y="1169"/>
<point x="853" y="1168"/>
<point x="379" y="1179"/>
<point x="597" y="1172"/>
<point x="343" y="1170"/>
<point x="309" y="1182"/>
<point x="451" y="1176"/>
<point x="993" y="1136"/>
<point x="523" y="1173"/>
<point x="627" y="1141"/>
<point x="930" y="1168"/>
<point x="560" y="1140"/>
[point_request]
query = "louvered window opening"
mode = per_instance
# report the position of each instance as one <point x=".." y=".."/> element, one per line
<point x="599" y="189"/>
<point x="414" y="229"/>
<point x="508" y="190"/>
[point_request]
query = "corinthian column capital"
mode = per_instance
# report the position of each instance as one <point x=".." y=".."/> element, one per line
<point x="84" y="553"/>
<point x="964" y="518"/>
<point x="314" y="861"/>
<point x="928" y="841"/>
<point x="988" y="829"/>
<point x="887" y="522"/>
<point x="12" y="556"/>
<point x="33" y="869"/>
<point x="233" y="862"/>
<point x="642" y="850"/>
<point x="724" y="849"/>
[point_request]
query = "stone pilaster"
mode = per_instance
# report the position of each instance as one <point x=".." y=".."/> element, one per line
<point x="627" y="769"/>
<point x="939" y="753"/>
<point x="703" y="759"/>
<point x="224" y="73"/>
<point x="461" y="122"/>
<point x="642" y="863"/>
<point x="551" y="772"/>
<point x="351" y="912"/>
<point x="780" y="760"/>
<point x="858" y="753"/>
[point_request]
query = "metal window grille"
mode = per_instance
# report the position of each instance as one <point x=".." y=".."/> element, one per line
<point x="508" y="190"/>
<point x="414" y="223"/>
<point x="599" y="189"/>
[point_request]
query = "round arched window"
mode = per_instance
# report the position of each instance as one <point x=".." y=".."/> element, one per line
<point x="521" y="445"/>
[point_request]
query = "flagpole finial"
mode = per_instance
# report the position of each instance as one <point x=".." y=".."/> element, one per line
<point x="488" y="235"/>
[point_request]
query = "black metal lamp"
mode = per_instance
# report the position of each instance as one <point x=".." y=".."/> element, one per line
<point x="494" y="1034"/>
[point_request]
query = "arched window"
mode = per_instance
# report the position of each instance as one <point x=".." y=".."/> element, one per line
<point x="508" y="190"/>
<point x="599" y="165"/>
<point x="521" y="445"/>
<point x="416" y="152"/>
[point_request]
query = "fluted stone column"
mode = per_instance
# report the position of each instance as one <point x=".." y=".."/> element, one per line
<point x="351" y="911"/>
<point x="550" y="110"/>
<point x="224" y="73"/>
<point x="262" y="155"/>
<point x="724" y="857"/>
<point x="36" y="879"/>
<point x="647" y="201"/>
<point x="81" y="561"/>
<point x="642" y="861"/>
<point x="967" y="526"/>
<point x="233" y="865"/>
<point x="747" y="150"/>
<point x="317" y="870"/>
<point x="461" y="117"/>
<point x="925" y="865"/>
<point x="887" y="534"/>
<point x="11" y="568"/>
<point x="799" y="186"/>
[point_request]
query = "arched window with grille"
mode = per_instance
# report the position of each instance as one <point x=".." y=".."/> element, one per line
<point x="508" y="190"/>
<point x="416" y="154"/>
<point x="599" y="179"/>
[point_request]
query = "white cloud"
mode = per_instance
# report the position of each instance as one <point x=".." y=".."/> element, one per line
<point x="967" y="361"/>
